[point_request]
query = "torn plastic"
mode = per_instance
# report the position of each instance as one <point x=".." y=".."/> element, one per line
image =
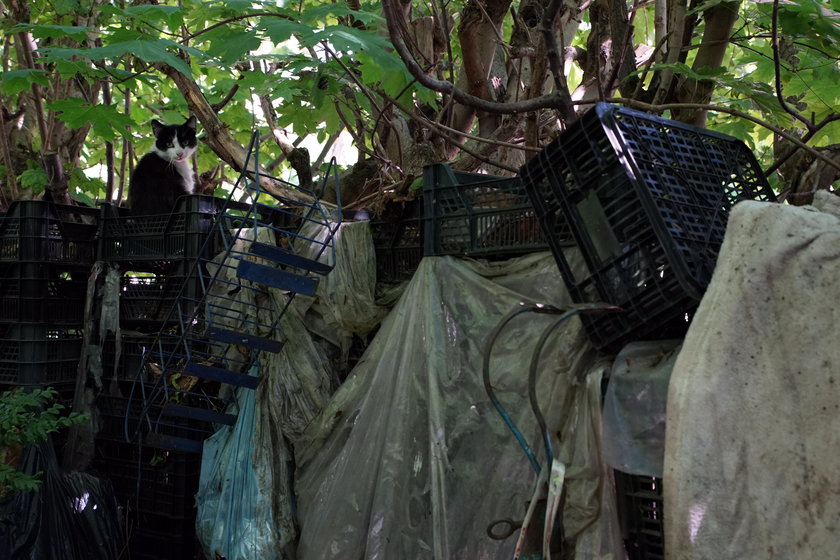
<point x="72" y="516"/>
<point x="245" y="504"/>
<point x="634" y="407"/>
<point x="410" y="460"/>
<point x="233" y="521"/>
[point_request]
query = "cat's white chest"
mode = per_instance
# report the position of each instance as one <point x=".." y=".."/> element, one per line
<point x="186" y="172"/>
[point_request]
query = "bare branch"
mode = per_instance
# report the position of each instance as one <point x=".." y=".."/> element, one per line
<point x="442" y="130"/>
<point x="566" y="108"/>
<point x="778" y="70"/>
<point x="550" y="101"/>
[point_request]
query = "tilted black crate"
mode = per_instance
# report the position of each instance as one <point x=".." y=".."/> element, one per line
<point x="40" y="231"/>
<point x="39" y="355"/>
<point x="42" y="292"/>
<point x="398" y="243"/>
<point x="641" y="515"/>
<point x="469" y="214"/>
<point x="647" y="200"/>
<point x="150" y="240"/>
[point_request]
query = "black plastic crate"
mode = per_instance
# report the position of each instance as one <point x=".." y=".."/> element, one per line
<point x="40" y="231"/>
<point x="42" y="293"/>
<point x="122" y="409"/>
<point x="641" y="515"/>
<point x="398" y="243"/>
<point x="648" y="201"/>
<point x="147" y="298"/>
<point x="168" y="480"/>
<point x="39" y="355"/>
<point x="181" y="235"/>
<point x="469" y="214"/>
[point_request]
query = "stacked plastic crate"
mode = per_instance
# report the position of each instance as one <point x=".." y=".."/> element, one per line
<point x="153" y="255"/>
<point x="46" y="251"/>
<point x="647" y="201"/>
<point x="460" y="214"/>
<point x="642" y="515"/>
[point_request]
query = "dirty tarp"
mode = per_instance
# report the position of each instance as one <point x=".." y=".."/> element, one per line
<point x="752" y="468"/>
<point x="255" y="481"/>
<point x="409" y="459"/>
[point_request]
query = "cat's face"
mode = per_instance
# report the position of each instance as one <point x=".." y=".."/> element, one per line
<point x="175" y="143"/>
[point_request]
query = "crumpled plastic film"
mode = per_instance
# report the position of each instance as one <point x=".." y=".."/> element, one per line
<point x="345" y="297"/>
<point x="234" y="520"/>
<point x="634" y="407"/>
<point x="296" y="384"/>
<point x="410" y="459"/>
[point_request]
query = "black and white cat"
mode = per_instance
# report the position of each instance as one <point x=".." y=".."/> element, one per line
<point x="165" y="173"/>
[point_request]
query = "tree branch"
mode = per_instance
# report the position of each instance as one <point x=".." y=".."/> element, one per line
<point x="550" y="101"/>
<point x="777" y="68"/>
<point x="555" y="64"/>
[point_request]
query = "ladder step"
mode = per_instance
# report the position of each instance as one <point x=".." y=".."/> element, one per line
<point x="277" y="278"/>
<point x="202" y="414"/>
<point x="285" y="257"/>
<point x="222" y="375"/>
<point x="174" y="443"/>
<point x="242" y="339"/>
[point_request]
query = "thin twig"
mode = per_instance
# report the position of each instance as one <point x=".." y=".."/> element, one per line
<point x="778" y="71"/>
<point x="418" y="116"/>
<point x="548" y="101"/>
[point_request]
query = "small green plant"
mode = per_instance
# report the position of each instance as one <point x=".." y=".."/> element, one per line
<point x="27" y="417"/>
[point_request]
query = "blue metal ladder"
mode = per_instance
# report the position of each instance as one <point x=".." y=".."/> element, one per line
<point x="226" y="313"/>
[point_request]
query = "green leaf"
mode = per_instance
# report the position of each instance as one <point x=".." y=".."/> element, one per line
<point x="16" y="81"/>
<point x="349" y="39"/>
<point x="35" y="179"/>
<point x="65" y="7"/>
<point x="105" y="120"/>
<point x="280" y="30"/>
<point x="76" y="33"/>
<point x="326" y="12"/>
<point x="230" y="44"/>
<point x="146" y="50"/>
<point x="150" y="12"/>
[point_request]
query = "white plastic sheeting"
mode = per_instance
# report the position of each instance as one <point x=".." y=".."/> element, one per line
<point x="752" y="468"/>
<point x="409" y="459"/>
<point x="634" y="407"/>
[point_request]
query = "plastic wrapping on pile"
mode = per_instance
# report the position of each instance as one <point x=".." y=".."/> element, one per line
<point x="72" y="516"/>
<point x="752" y="468"/>
<point x="410" y="459"/>
<point x="245" y="508"/>
<point x="235" y="516"/>
<point x="634" y="407"/>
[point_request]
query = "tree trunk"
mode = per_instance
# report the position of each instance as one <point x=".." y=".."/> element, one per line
<point x="719" y="22"/>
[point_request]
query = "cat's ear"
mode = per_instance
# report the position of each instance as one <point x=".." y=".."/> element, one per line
<point x="190" y="122"/>
<point x="156" y="126"/>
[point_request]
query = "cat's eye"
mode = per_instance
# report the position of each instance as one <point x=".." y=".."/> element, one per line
<point x="169" y="145"/>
